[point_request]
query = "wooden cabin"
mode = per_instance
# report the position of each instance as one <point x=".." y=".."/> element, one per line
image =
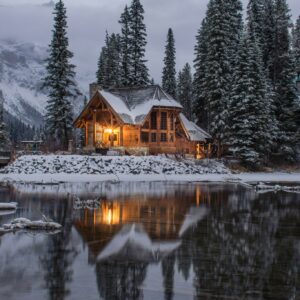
<point x="141" y="120"/>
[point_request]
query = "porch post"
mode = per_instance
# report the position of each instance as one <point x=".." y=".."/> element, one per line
<point x="94" y="128"/>
<point x="121" y="136"/>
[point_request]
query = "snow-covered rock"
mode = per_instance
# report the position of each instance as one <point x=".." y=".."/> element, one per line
<point x="23" y="223"/>
<point x="116" y="165"/>
<point x="262" y="187"/>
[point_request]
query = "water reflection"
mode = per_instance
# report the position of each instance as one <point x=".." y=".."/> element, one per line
<point x="149" y="240"/>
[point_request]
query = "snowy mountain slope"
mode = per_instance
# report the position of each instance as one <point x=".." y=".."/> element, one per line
<point x="22" y="69"/>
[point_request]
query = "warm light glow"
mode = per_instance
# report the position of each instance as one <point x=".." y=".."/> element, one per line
<point x="109" y="130"/>
<point x="109" y="216"/>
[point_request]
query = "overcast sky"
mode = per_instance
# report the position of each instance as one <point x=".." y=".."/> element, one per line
<point x="30" y="21"/>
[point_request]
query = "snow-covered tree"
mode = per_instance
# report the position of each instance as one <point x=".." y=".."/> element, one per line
<point x="109" y="64"/>
<point x="255" y="19"/>
<point x="4" y="140"/>
<point x="217" y="76"/>
<point x="60" y="82"/>
<point x="287" y="104"/>
<point x="185" y="90"/>
<point x="101" y="71"/>
<point x="137" y="45"/>
<point x="268" y="46"/>
<point x="125" y="47"/>
<point x="169" y="69"/>
<point x="250" y="138"/>
<point x="296" y="46"/>
<point x="201" y="106"/>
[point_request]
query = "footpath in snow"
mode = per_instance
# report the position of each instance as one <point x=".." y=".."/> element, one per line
<point x="53" y="169"/>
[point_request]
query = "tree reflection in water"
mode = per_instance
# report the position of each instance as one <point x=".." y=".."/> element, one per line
<point x="121" y="279"/>
<point x="246" y="245"/>
<point x="57" y="261"/>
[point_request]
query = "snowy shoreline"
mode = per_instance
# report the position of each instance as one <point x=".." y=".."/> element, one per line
<point x="40" y="178"/>
<point x="55" y="169"/>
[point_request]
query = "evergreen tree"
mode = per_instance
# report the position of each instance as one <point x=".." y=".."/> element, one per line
<point x="269" y="46"/>
<point x="185" y="90"/>
<point x="250" y="138"/>
<point x="296" y="46"/>
<point x="60" y="81"/>
<point x="201" y="107"/>
<point x="109" y="64"/>
<point x="125" y="47"/>
<point x="234" y="10"/>
<point x="138" y="75"/>
<point x="169" y="70"/>
<point x="217" y="77"/>
<point x="287" y="105"/>
<point x="255" y="20"/>
<point x="4" y="140"/>
<point x="101" y="71"/>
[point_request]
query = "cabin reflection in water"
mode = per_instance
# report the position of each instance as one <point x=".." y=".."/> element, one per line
<point x="161" y="218"/>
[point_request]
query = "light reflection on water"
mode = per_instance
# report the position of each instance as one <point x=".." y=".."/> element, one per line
<point x="153" y="241"/>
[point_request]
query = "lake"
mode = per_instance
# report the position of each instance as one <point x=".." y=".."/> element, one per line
<point x="152" y="241"/>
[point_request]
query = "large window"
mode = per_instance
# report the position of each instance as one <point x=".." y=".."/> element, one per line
<point x="153" y="137"/>
<point x="163" y="121"/>
<point x="154" y="120"/>
<point x="172" y="122"/>
<point x="163" y="137"/>
<point x="144" y="137"/>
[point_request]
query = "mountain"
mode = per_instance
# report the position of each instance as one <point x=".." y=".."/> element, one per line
<point x="22" y="69"/>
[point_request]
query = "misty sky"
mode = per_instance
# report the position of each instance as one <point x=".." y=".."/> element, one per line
<point x="29" y="21"/>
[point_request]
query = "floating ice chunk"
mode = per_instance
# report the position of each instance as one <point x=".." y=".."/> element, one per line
<point x="8" y="206"/>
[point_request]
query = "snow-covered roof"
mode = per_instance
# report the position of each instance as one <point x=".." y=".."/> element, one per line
<point x="194" y="131"/>
<point x="134" y="104"/>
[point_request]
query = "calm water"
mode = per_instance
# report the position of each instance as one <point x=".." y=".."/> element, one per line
<point x="153" y="241"/>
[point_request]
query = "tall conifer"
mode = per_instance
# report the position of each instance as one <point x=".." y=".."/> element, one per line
<point x="137" y="45"/>
<point x="60" y="81"/>
<point x="169" y="69"/>
<point x="185" y="90"/>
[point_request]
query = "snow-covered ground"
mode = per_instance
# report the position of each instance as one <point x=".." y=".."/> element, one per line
<point x="74" y="168"/>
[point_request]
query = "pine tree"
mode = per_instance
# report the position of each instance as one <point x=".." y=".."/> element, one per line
<point x="255" y="20"/>
<point x="286" y="103"/>
<point x="217" y="75"/>
<point x="109" y="63"/>
<point x="234" y="10"/>
<point x="101" y="71"/>
<point x="269" y="46"/>
<point x="125" y="47"/>
<point x="4" y="140"/>
<point x="185" y="90"/>
<point x="296" y="46"/>
<point x="169" y="70"/>
<point x="137" y="45"/>
<point x="250" y="138"/>
<point x="201" y="106"/>
<point x="60" y="81"/>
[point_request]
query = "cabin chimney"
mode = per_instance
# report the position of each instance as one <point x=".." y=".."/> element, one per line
<point x="94" y="87"/>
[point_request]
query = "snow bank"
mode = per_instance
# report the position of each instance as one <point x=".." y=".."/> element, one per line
<point x="23" y="223"/>
<point x="8" y="206"/>
<point x="111" y="165"/>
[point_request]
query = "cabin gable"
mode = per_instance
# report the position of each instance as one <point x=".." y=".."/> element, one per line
<point x="124" y="121"/>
